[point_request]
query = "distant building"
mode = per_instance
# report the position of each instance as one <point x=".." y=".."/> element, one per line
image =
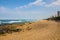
<point x="58" y="13"/>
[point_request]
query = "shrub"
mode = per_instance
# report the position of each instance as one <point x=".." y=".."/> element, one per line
<point x="28" y="28"/>
<point x="2" y="31"/>
<point x="9" y="29"/>
<point x="16" y="30"/>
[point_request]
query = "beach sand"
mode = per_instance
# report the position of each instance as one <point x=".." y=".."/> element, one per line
<point x="40" y="30"/>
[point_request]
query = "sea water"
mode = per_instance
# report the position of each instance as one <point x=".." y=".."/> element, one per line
<point x="15" y="21"/>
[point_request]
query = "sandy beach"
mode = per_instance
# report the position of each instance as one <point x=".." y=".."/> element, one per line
<point x="40" y="30"/>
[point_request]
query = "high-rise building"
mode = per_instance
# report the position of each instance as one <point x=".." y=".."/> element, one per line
<point x="58" y="13"/>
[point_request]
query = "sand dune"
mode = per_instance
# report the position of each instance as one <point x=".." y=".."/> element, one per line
<point x="41" y="30"/>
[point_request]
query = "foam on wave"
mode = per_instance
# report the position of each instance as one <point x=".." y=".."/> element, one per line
<point x="10" y="22"/>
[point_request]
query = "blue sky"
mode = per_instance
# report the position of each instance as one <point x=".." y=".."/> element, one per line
<point x="28" y="9"/>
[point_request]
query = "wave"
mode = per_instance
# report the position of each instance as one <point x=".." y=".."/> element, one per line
<point x="9" y="22"/>
<point x="14" y="21"/>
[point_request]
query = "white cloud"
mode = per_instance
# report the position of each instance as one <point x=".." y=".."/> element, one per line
<point x="53" y="4"/>
<point x="41" y="2"/>
<point x="9" y="11"/>
<point x="5" y="10"/>
<point x="35" y="3"/>
<point x="16" y="13"/>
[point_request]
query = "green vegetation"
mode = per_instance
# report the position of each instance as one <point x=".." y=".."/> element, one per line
<point x="54" y="18"/>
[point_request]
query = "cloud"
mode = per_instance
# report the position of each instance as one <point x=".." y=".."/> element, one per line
<point x="9" y="11"/>
<point x="53" y="4"/>
<point x="35" y="3"/>
<point x="5" y="10"/>
<point x="42" y="3"/>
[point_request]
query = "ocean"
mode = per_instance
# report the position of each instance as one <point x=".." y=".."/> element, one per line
<point x="15" y="21"/>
